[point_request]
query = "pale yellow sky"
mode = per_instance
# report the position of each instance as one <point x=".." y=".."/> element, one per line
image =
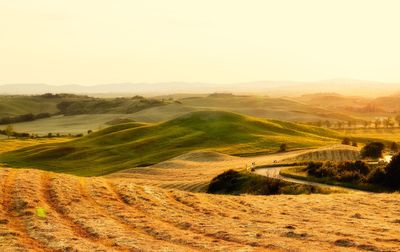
<point x="107" y="41"/>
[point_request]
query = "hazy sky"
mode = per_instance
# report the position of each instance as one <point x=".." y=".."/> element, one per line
<point x="107" y="41"/>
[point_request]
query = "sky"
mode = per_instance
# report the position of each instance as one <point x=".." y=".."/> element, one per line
<point x="215" y="41"/>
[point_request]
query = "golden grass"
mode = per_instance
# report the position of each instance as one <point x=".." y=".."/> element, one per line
<point x="14" y="144"/>
<point x="88" y="214"/>
<point x="130" y="211"/>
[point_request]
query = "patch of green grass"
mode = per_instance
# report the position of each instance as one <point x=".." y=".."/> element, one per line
<point x="41" y="212"/>
<point x="236" y="183"/>
<point x="134" y="144"/>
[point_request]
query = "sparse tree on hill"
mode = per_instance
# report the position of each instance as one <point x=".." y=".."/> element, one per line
<point x="283" y="147"/>
<point x="377" y="123"/>
<point x="397" y="119"/>
<point x="89" y="131"/>
<point x="328" y="123"/>
<point x="373" y="150"/>
<point x="393" y="172"/>
<point x="354" y="144"/>
<point x="346" y="141"/>
<point x="394" y="147"/>
<point x="9" y="130"/>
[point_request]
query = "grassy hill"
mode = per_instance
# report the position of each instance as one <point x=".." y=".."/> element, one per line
<point x="264" y="106"/>
<point x="19" y="105"/>
<point x="137" y="144"/>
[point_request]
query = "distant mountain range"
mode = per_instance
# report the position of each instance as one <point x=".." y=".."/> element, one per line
<point x="272" y="88"/>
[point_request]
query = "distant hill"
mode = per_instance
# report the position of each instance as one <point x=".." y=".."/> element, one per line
<point x="273" y="88"/>
<point x="263" y="106"/>
<point x="70" y="104"/>
<point x="134" y="144"/>
<point x="13" y="105"/>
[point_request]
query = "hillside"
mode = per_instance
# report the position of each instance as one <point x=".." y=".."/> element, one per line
<point x="18" y="105"/>
<point x="134" y="144"/>
<point x="42" y="211"/>
<point x="264" y="106"/>
<point x="108" y="106"/>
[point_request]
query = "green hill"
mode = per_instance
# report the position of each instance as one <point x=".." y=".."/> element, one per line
<point x="135" y="144"/>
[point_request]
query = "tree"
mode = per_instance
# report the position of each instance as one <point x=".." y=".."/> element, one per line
<point x="9" y="130"/>
<point x="328" y="123"/>
<point x="89" y="131"/>
<point x="283" y="147"/>
<point x="354" y="144"/>
<point x="377" y="123"/>
<point x="349" y="124"/>
<point x="346" y="141"/>
<point x="366" y="124"/>
<point x="373" y="150"/>
<point x="397" y="118"/>
<point x="393" y="172"/>
<point x="394" y="147"/>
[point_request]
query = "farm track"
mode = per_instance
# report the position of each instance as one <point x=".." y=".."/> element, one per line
<point x="100" y="214"/>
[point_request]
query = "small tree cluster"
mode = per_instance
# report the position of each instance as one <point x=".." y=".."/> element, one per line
<point x="373" y="150"/>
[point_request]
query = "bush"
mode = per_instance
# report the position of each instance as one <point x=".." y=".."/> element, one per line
<point x="226" y="181"/>
<point x="344" y="171"/>
<point x="234" y="182"/>
<point x="373" y="150"/>
<point x="394" y="147"/>
<point x="393" y="173"/>
<point x="346" y="141"/>
<point x="377" y="176"/>
<point x="283" y="147"/>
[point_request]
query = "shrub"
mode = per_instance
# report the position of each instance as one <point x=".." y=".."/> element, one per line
<point x="226" y="181"/>
<point x="344" y="171"/>
<point x="312" y="167"/>
<point x="234" y="182"/>
<point x="283" y="147"/>
<point x="373" y="150"/>
<point x="393" y="172"/>
<point x="394" y="147"/>
<point x="377" y="176"/>
<point x="346" y="141"/>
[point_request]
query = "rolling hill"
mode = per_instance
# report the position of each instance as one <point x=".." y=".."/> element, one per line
<point x="43" y="211"/>
<point x="286" y="109"/>
<point x="137" y="144"/>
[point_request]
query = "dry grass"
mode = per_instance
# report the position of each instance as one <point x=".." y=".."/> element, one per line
<point x="14" y="144"/>
<point x="193" y="171"/>
<point x="129" y="211"/>
<point x="89" y="214"/>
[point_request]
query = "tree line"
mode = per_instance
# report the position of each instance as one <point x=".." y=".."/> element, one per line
<point x="23" y="118"/>
<point x="385" y="122"/>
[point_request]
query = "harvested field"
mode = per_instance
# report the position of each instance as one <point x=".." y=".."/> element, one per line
<point x="43" y="211"/>
<point x="194" y="170"/>
<point x="337" y="153"/>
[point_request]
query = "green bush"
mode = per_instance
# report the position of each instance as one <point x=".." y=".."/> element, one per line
<point x="234" y="182"/>
<point x="393" y="173"/>
<point x="373" y="150"/>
